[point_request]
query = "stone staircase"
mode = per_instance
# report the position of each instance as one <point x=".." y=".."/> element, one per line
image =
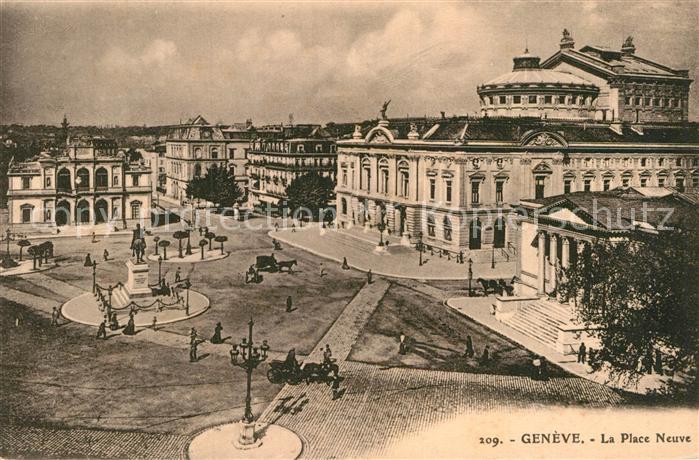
<point x="119" y="297"/>
<point x="541" y="320"/>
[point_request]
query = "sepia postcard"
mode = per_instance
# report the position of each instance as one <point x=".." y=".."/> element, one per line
<point x="349" y="229"/>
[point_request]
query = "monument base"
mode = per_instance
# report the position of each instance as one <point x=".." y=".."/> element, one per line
<point x="137" y="281"/>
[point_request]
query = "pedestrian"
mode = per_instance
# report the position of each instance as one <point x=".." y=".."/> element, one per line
<point x="335" y="386"/>
<point x="88" y="261"/>
<point x="178" y="275"/>
<point x="544" y="372"/>
<point x="105" y="255"/>
<point x="321" y="270"/>
<point x="289" y="306"/>
<point x="368" y="276"/>
<point x="276" y="226"/>
<point x="155" y="323"/>
<point x="192" y="335"/>
<point x="582" y="353"/>
<point x="113" y="322"/>
<point x="345" y="265"/>
<point x="130" y="328"/>
<point x="94" y="239"/>
<point x="401" y="345"/>
<point x="658" y="362"/>
<point x="54" y="316"/>
<point x="293" y="228"/>
<point x="200" y="230"/>
<point x="102" y="331"/>
<point x="469" y="347"/>
<point x="485" y="357"/>
<point x="217" y="333"/>
<point x="536" y="369"/>
<point x="327" y="355"/>
<point x="193" y="350"/>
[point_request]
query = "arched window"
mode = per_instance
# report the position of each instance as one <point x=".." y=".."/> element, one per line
<point x="197" y="170"/>
<point x="83" y="180"/>
<point x="430" y="225"/>
<point x="366" y="174"/>
<point x="197" y="152"/>
<point x="63" y="182"/>
<point x="404" y="178"/>
<point x="383" y="176"/>
<point x="447" y="228"/>
<point x="101" y="178"/>
<point x="214" y="153"/>
<point x="82" y="211"/>
<point x="343" y="203"/>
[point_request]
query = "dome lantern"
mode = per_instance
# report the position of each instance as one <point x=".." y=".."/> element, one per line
<point x="526" y="61"/>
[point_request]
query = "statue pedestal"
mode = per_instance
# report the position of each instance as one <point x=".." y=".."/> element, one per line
<point x="137" y="281"/>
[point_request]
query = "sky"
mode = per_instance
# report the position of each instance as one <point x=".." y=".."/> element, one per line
<point x="161" y="62"/>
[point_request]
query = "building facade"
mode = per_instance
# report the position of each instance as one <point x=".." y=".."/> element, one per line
<point x="91" y="182"/>
<point x="277" y="160"/>
<point x="458" y="182"/>
<point x="594" y="83"/>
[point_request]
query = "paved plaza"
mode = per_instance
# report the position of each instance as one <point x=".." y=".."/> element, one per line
<point x="93" y="403"/>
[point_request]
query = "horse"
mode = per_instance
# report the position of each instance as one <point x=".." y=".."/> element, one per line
<point x="317" y="372"/>
<point x="282" y="264"/>
<point x="488" y="285"/>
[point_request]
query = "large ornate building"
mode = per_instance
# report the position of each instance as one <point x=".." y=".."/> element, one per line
<point x="278" y="159"/>
<point x="91" y="182"/>
<point x="594" y="82"/>
<point x="547" y="129"/>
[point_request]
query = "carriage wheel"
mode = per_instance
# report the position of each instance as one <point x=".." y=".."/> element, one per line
<point x="273" y="376"/>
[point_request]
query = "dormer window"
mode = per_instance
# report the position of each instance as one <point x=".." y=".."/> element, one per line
<point x="301" y="148"/>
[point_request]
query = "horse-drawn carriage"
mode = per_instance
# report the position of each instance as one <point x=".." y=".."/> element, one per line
<point x="272" y="265"/>
<point x="289" y="371"/>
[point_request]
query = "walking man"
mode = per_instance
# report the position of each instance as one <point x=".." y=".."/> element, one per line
<point x="327" y="355"/>
<point x="192" y="335"/>
<point x="54" y="316"/>
<point x="177" y="275"/>
<point x="193" y="350"/>
<point x="582" y="353"/>
<point x="105" y="255"/>
<point x="155" y="323"/>
<point x="401" y="345"/>
<point x="289" y="306"/>
<point x="345" y="265"/>
<point x="469" y="347"/>
<point x="368" y="276"/>
<point x="102" y="331"/>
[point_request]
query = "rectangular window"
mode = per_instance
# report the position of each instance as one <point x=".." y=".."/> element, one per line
<point x="661" y="161"/>
<point x="344" y="177"/>
<point x="319" y="148"/>
<point x="643" y="162"/>
<point x="430" y="227"/>
<point x="566" y="186"/>
<point x="48" y="182"/>
<point x="115" y="180"/>
<point x="475" y="192"/>
<point x="539" y="188"/>
<point x="627" y="100"/>
<point x="499" y="187"/>
<point x="605" y="184"/>
<point x="135" y="179"/>
<point x="679" y="184"/>
<point x="135" y="210"/>
<point x="656" y="102"/>
<point x="404" y="183"/>
<point x="646" y="102"/>
<point x="532" y="99"/>
<point x="547" y="99"/>
<point x="637" y="101"/>
<point x="695" y="161"/>
<point x="26" y="182"/>
<point x="433" y="188"/>
<point x="47" y="211"/>
<point x="503" y="99"/>
<point x="678" y="162"/>
<point x="587" y="185"/>
<point x="516" y="99"/>
<point x="661" y="182"/>
<point x="695" y="181"/>
<point x="447" y="190"/>
<point x="644" y="181"/>
<point x="26" y="215"/>
<point x="300" y="148"/>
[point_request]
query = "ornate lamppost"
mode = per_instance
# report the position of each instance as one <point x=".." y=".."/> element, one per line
<point x="470" y="277"/>
<point x="160" y="264"/>
<point x="492" y="257"/>
<point x="250" y="359"/>
<point x="189" y="244"/>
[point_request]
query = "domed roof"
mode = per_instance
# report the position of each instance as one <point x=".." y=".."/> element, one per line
<point x="526" y="71"/>
<point x="538" y="76"/>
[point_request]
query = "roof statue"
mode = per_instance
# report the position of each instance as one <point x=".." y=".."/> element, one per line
<point x="628" y="42"/>
<point x="384" y="108"/>
<point x="566" y="34"/>
<point x="357" y="132"/>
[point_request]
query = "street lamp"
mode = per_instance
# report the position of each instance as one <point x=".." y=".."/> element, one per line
<point x="189" y="244"/>
<point x="420" y="248"/>
<point x="492" y="257"/>
<point x="250" y="359"/>
<point x="187" y="285"/>
<point x="94" y="276"/>
<point x="470" y="277"/>
<point x="160" y="264"/>
<point x="381" y="226"/>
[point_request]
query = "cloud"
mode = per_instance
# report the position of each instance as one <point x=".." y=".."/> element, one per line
<point x="158" y="52"/>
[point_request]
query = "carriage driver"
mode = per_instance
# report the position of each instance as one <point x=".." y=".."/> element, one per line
<point x="327" y="356"/>
<point x="290" y="362"/>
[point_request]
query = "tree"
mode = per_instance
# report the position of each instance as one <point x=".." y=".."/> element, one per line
<point x="310" y="191"/>
<point x="209" y="236"/>
<point x="164" y="244"/>
<point x="640" y="296"/>
<point x="217" y="186"/>
<point x="221" y="239"/>
<point x="179" y="235"/>
<point x="22" y="244"/>
<point x="202" y="245"/>
<point x="156" y="239"/>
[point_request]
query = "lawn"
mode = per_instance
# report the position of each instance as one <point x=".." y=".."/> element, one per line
<point x="437" y="338"/>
